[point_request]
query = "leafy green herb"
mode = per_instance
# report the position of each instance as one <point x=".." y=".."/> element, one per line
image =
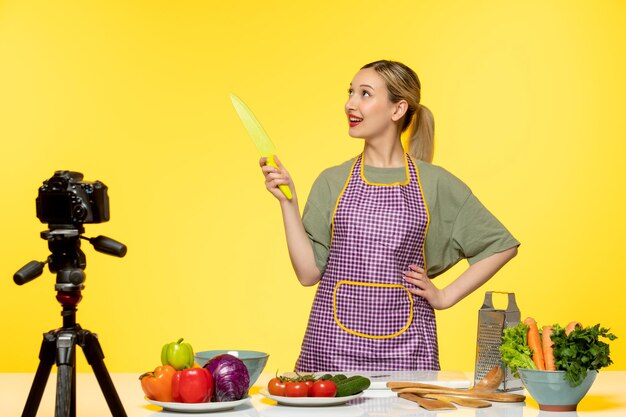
<point x="514" y="349"/>
<point x="581" y="351"/>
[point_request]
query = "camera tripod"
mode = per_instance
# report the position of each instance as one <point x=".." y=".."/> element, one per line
<point x="59" y="345"/>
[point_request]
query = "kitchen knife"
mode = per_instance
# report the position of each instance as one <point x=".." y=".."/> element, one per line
<point x="259" y="136"/>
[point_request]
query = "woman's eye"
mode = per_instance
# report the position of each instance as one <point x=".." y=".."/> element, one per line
<point x="363" y="93"/>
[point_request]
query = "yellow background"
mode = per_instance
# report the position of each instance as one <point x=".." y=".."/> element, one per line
<point x="528" y="98"/>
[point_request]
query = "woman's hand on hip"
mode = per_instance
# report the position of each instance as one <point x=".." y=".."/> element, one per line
<point x="275" y="177"/>
<point x="424" y="287"/>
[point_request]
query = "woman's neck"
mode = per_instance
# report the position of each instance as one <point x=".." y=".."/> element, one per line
<point x="384" y="154"/>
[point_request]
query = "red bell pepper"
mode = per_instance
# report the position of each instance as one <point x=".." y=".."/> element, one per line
<point x="194" y="385"/>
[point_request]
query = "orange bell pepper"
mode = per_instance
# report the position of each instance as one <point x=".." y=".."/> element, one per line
<point x="157" y="385"/>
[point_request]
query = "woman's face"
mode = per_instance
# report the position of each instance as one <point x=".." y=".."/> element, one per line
<point x="370" y="113"/>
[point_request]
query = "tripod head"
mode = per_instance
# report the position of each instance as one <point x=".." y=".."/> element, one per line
<point x="67" y="260"/>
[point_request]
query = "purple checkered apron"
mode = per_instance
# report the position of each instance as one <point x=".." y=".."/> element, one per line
<point x="363" y="318"/>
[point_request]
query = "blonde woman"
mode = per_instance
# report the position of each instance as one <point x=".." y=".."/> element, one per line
<point x="376" y="230"/>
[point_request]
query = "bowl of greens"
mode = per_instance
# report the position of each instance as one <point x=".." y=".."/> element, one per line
<point x="557" y="365"/>
<point x="552" y="392"/>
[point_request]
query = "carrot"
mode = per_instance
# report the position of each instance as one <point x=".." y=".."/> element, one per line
<point x="548" y="348"/>
<point x="534" y="343"/>
<point x="571" y="327"/>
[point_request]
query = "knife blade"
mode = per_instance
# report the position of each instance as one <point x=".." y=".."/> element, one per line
<point x="258" y="135"/>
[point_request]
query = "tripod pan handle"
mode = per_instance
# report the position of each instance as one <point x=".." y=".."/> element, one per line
<point x="109" y="246"/>
<point x="29" y="272"/>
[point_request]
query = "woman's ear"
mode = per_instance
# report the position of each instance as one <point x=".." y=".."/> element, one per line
<point x="399" y="110"/>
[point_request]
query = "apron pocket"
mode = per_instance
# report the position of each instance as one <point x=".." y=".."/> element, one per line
<point x="375" y="311"/>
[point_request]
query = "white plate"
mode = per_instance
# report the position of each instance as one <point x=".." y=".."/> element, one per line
<point x="199" y="407"/>
<point x="309" y="401"/>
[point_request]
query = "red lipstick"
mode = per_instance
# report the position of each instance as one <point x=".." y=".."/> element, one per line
<point x="354" y="120"/>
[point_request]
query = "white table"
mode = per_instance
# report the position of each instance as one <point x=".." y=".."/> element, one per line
<point x="607" y="398"/>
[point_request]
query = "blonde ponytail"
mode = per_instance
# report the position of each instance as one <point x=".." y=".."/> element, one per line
<point x="421" y="142"/>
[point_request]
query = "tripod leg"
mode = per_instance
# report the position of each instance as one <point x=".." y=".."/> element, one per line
<point x="93" y="353"/>
<point x="46" y="360"/>
<point x="66" y="384"/>
<point x="73" y="403"/>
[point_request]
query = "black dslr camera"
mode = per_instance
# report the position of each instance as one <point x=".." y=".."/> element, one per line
<point x="65" y="202"/>
<point x="65" y="199"/>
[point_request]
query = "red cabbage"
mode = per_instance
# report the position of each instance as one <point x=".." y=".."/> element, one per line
<point x="230" y="377"/>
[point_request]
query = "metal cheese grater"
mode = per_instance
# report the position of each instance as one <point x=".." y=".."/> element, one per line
<point x="491" y="323"/>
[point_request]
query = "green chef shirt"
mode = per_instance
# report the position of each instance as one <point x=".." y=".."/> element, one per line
<point x="460" y="227"/>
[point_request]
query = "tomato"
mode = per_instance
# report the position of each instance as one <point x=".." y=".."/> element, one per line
<point x="309" y="384"/>
<point x="323" y="389"/>
<point x="296" y="389"/>
<point x="276" y="387"/>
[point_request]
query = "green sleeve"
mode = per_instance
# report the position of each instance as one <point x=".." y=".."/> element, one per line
<point x="319" y="209"/>
<point x="460" y="226"/>
<point x="478" y="234"/>
<point x="316" y="219"/>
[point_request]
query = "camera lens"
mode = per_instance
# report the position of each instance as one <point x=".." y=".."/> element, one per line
<point x="79" y="212"/>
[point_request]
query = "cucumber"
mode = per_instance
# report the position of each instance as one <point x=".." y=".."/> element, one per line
<point x="338" y="377"/>
<point x="325" y="377"/>
<point x="350" y="379"/>
<point x="352" y="385"/>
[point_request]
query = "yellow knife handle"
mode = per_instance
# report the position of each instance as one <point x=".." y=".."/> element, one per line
<point x="284" y="187"/>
